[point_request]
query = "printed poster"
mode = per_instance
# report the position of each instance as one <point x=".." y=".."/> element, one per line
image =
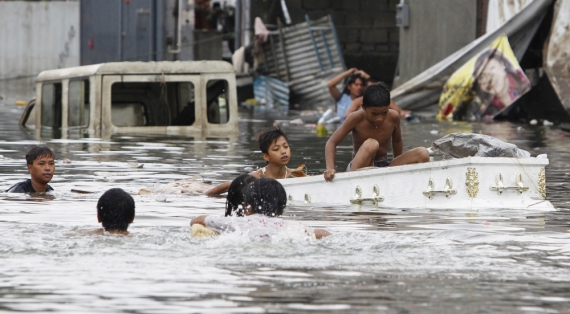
<point x="484" y="86"/>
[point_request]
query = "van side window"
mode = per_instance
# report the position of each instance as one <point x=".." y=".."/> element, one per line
<point x="78" y="114"/>
<point x="51" y="105"/>
<point x="152" y="104"/>
<point x="217" y="101"/>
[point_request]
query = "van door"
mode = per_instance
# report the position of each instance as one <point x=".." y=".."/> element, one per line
<point x="51" y="104"/>
<point x="78" y="104"/>
<point x="220" y="104"/>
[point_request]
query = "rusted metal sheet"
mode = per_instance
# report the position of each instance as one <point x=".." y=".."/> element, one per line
<point x="520" y="31"/>
<point x="557" y="54"/>
<point x="306" y="56"/>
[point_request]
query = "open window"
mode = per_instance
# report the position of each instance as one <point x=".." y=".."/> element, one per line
<point x="217" y="101"/>
<point x="78" y="104"/>
<point x="51" y="105"/>
<point x="152" y="104"/>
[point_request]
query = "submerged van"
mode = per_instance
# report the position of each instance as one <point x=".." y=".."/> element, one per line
<point x="196" y="98"/>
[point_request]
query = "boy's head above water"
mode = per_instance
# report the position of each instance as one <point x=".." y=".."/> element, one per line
<point x="265" y="196"/>
<point x="376" y="95"/>
<point x="116" y="210"/>
<point x="41" y="164"/>
<point x="269" y="137"/>
<point x="274" y="146"/>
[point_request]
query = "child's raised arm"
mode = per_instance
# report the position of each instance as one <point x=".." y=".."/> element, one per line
<point x="335" y="93"/>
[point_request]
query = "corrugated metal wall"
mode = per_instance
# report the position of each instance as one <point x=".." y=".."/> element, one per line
<point x="306" y="69"/>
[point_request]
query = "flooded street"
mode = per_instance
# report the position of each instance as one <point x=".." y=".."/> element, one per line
<point x="387" y="260"/>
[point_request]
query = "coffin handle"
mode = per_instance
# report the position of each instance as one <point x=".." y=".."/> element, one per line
<point x="500" y="186"/>
<point x="448" y="190"/>
<point x="358" y="199"/>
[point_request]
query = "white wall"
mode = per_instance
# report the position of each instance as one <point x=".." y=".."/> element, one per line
<point x="35" y="36"/>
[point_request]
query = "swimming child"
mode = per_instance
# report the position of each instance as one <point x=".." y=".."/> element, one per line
<point x="116" y="210"/>
<point x="41" y="166"/>
<point x="372" y="131"/>
<point x="265" y="200"/>
<point x="235" y="204"/>
<point x="235" y="199"/>
<point x="275" y="150"/>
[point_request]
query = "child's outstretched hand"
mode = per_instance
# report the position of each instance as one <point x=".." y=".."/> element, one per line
<point x="329" y="174"/>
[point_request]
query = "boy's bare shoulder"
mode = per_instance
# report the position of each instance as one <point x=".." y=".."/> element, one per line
<point x="394" y="116"/>
<point x="356" y="117"/>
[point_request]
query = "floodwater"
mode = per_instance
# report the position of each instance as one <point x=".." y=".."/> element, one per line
<point x="378" y="261"/>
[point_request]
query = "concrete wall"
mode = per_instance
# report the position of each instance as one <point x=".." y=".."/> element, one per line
<point x="35" y="36"/>
<point x="366" y="29"/>
<point x="437" y="29"/>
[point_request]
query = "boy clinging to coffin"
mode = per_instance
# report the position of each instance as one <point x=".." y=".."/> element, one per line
<point x="41" y="166"/>
<point x="372" y="131"/>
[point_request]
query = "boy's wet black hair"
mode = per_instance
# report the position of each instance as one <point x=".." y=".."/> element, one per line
<point x="266" y="138"/>
<point x="38" y="151"/>
<point x="235" y="199"/>
<point x="266" y="196"/>
<point x="376" y="95"/>
<point x="116" y="209"/>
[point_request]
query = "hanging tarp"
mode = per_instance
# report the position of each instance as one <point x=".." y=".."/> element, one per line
<point x="500" y="11"/>
<point x="484" y="86"/>
<point x="425" y="89"/>
<point x="557" y="53"/>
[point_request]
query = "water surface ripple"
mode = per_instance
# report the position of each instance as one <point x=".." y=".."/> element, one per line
<point x="391" y="260"/>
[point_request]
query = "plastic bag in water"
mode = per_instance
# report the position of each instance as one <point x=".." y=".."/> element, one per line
<point x="461" y="145"/>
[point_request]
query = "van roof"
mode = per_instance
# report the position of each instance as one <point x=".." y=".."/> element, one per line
<point x="162" y="67"/>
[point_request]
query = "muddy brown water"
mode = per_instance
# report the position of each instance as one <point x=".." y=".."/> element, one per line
<point x="391" y="260"/>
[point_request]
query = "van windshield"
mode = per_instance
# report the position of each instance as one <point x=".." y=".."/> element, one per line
<point x="152" y="104"/>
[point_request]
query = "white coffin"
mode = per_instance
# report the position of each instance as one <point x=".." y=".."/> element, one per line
<point x="462" y="183"/>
